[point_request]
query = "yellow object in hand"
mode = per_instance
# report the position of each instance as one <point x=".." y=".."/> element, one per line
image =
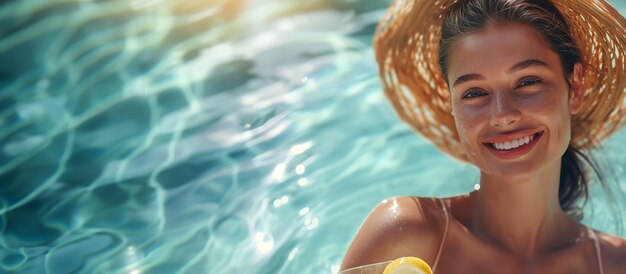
<point x="408" y="265"/>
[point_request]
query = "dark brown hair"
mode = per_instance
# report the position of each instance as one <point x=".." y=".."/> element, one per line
<point x="470" y="16"/>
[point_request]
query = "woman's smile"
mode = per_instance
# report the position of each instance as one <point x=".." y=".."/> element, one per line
<point x="506" y="150"/>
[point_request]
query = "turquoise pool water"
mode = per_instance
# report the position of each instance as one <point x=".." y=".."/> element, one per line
<point x="204" y="137"/>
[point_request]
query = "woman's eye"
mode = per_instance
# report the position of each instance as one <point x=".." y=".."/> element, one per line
<point x="472" y="93"/>
<point x="528" y="82"/>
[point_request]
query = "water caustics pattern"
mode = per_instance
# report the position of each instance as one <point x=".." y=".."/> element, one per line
<point x="205" y="136"/>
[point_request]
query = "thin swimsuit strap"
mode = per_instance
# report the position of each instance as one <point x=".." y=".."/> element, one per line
<point x="594" y="237"/>
<point x="445" y="233"/>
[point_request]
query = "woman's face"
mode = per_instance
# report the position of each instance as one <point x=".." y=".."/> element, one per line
<point x="510" y="100"/>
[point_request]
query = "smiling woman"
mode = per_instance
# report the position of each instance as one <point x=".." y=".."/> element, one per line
<point x="521" y="90"/>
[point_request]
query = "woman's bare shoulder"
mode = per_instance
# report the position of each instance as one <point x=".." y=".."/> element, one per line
<point x="613" y="252"/>
<point x="397" y="227"/>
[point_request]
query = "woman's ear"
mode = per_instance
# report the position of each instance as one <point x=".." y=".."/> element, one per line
<point x="576" y="89"/>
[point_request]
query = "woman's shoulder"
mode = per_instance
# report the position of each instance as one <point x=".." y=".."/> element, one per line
<point x="397" y="227"/>
<point x="421" y="212"/>
<point x="613" y="250"/>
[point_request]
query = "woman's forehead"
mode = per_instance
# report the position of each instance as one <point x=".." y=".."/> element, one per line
<point x="497" y="48"/>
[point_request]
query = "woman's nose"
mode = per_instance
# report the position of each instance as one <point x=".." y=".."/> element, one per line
<point x="503" y="110"/>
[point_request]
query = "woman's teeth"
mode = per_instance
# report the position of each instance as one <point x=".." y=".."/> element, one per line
<point x="513" y="144"/>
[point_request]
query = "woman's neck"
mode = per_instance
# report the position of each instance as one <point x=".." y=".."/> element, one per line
<point x="523" y="217"/>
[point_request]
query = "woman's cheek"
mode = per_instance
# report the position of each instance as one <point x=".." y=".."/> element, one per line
<point x="467" y="118"/>
<point x="467" y="125"/>
<point x="539" y="103"/>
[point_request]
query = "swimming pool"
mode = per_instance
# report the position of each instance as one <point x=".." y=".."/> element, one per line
<point x="204" y="137"/>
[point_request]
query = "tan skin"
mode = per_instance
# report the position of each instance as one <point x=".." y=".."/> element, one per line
<point x="514" y="223"/>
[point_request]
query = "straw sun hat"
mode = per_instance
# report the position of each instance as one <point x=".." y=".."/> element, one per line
<point x="407" y="43"/>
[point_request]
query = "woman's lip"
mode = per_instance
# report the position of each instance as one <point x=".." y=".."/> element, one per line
<point x="511" y="136"/>
<point x="514" y="152"/>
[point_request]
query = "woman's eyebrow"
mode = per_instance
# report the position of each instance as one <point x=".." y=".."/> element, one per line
<point x="517" y="67"/>
<point x="467" y="77"/>
<point x="525" y="64"/>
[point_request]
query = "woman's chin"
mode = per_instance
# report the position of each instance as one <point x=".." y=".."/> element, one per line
<point x="516" y="173"/>
<point x="538" y="165"/>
